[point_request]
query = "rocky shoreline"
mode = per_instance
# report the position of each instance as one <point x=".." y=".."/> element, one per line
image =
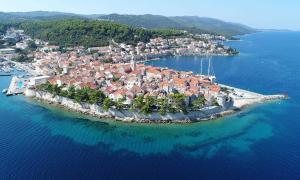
<point x="128" y="115"/>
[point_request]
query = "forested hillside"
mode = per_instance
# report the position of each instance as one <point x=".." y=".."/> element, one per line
<point x="193" y="24"/>
<point x="89" y="32"/>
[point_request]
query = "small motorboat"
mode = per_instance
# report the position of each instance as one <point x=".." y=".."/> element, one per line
<point x="4" y="91"/>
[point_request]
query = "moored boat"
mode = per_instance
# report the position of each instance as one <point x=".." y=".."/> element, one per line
<point x="4" y="91"/>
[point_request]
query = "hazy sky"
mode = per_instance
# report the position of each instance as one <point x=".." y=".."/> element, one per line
<point x="279" y="14"/>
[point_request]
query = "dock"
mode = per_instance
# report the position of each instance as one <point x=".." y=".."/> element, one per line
<point x="16" y="86"/>
<point x="243" y="97"/>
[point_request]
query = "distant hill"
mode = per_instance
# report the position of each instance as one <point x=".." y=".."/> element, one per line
<point x="213" y="25"/>
<point x="192" y="24"/>
<point x="189" y="23"/>
<point x="145" y="21"/>
<point x="35" y="15"/>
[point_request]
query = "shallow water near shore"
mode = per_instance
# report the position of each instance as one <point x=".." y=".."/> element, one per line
<point x="262" y="141"/>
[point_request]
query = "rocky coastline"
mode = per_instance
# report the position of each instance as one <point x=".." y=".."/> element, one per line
<point x="125" y="115"/>
<point x="128" y="115"/>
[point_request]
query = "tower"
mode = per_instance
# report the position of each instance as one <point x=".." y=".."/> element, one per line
<point x="133" y="64"/>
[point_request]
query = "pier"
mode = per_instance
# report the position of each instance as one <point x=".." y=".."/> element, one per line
<point x="17" y="86"/>
<point x="243" y="97"/>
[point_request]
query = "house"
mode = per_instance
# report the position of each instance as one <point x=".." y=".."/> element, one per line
<point x="38" y="80"/>
<point x="118" y="94"/>
<point x="214" y="89"/>
<point x="153" y="72"/>
<point x="21" y="45"/>
<point x="49" y="48"/>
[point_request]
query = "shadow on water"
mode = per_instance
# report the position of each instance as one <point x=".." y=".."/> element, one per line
<point x="236" y="132"/>
<point x="210" y="141"/>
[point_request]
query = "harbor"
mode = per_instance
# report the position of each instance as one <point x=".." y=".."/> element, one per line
<point x="6" y="67"/>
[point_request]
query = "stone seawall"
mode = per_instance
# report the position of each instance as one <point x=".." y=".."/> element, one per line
<point x="127" y="115"/>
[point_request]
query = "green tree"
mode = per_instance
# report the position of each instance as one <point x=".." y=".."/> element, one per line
<point x="138" y="103"/>
<point x="22" y="58"/>
<point x="71" y="92"/>
<point x="84" y="94"/>
<point x="49" y="87"/>
<point x="150" y="102"/>
<point x="56" y="89"/>
<point x="63" y="93"/>
<point x="107" y="103"/>
<point x="215" y="102"/>
<point x="31" y="46"/>
<point x="164" y="105"/>
<point x="199" y="102"/>
<point x="120" y="103"/>
<point x="79" y="95"/>
<point x="178" y="102"/>
<point x="95" y="96"/>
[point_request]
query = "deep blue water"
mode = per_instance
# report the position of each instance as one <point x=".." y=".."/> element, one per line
<point x="261" y="142"/>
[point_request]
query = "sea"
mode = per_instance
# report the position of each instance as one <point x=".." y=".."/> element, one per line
<point x="39" y="141"/>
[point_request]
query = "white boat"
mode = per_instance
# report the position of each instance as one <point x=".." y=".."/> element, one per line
<point x="4" y="91"/>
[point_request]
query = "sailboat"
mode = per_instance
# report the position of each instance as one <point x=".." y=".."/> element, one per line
<point x="210" y="72"/>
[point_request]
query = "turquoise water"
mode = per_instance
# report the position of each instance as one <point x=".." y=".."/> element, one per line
<point x="20" y="84"/>
<point x="261" y="142"/>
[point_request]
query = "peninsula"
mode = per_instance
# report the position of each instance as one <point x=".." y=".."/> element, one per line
<point x="107" y="81"/>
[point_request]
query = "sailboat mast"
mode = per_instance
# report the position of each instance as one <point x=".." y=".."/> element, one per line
<point x="201" y="72"/>
<point x="209" y="64"/>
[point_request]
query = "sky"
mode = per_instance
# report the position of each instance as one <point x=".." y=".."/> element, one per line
<point x="267" y="14"/>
